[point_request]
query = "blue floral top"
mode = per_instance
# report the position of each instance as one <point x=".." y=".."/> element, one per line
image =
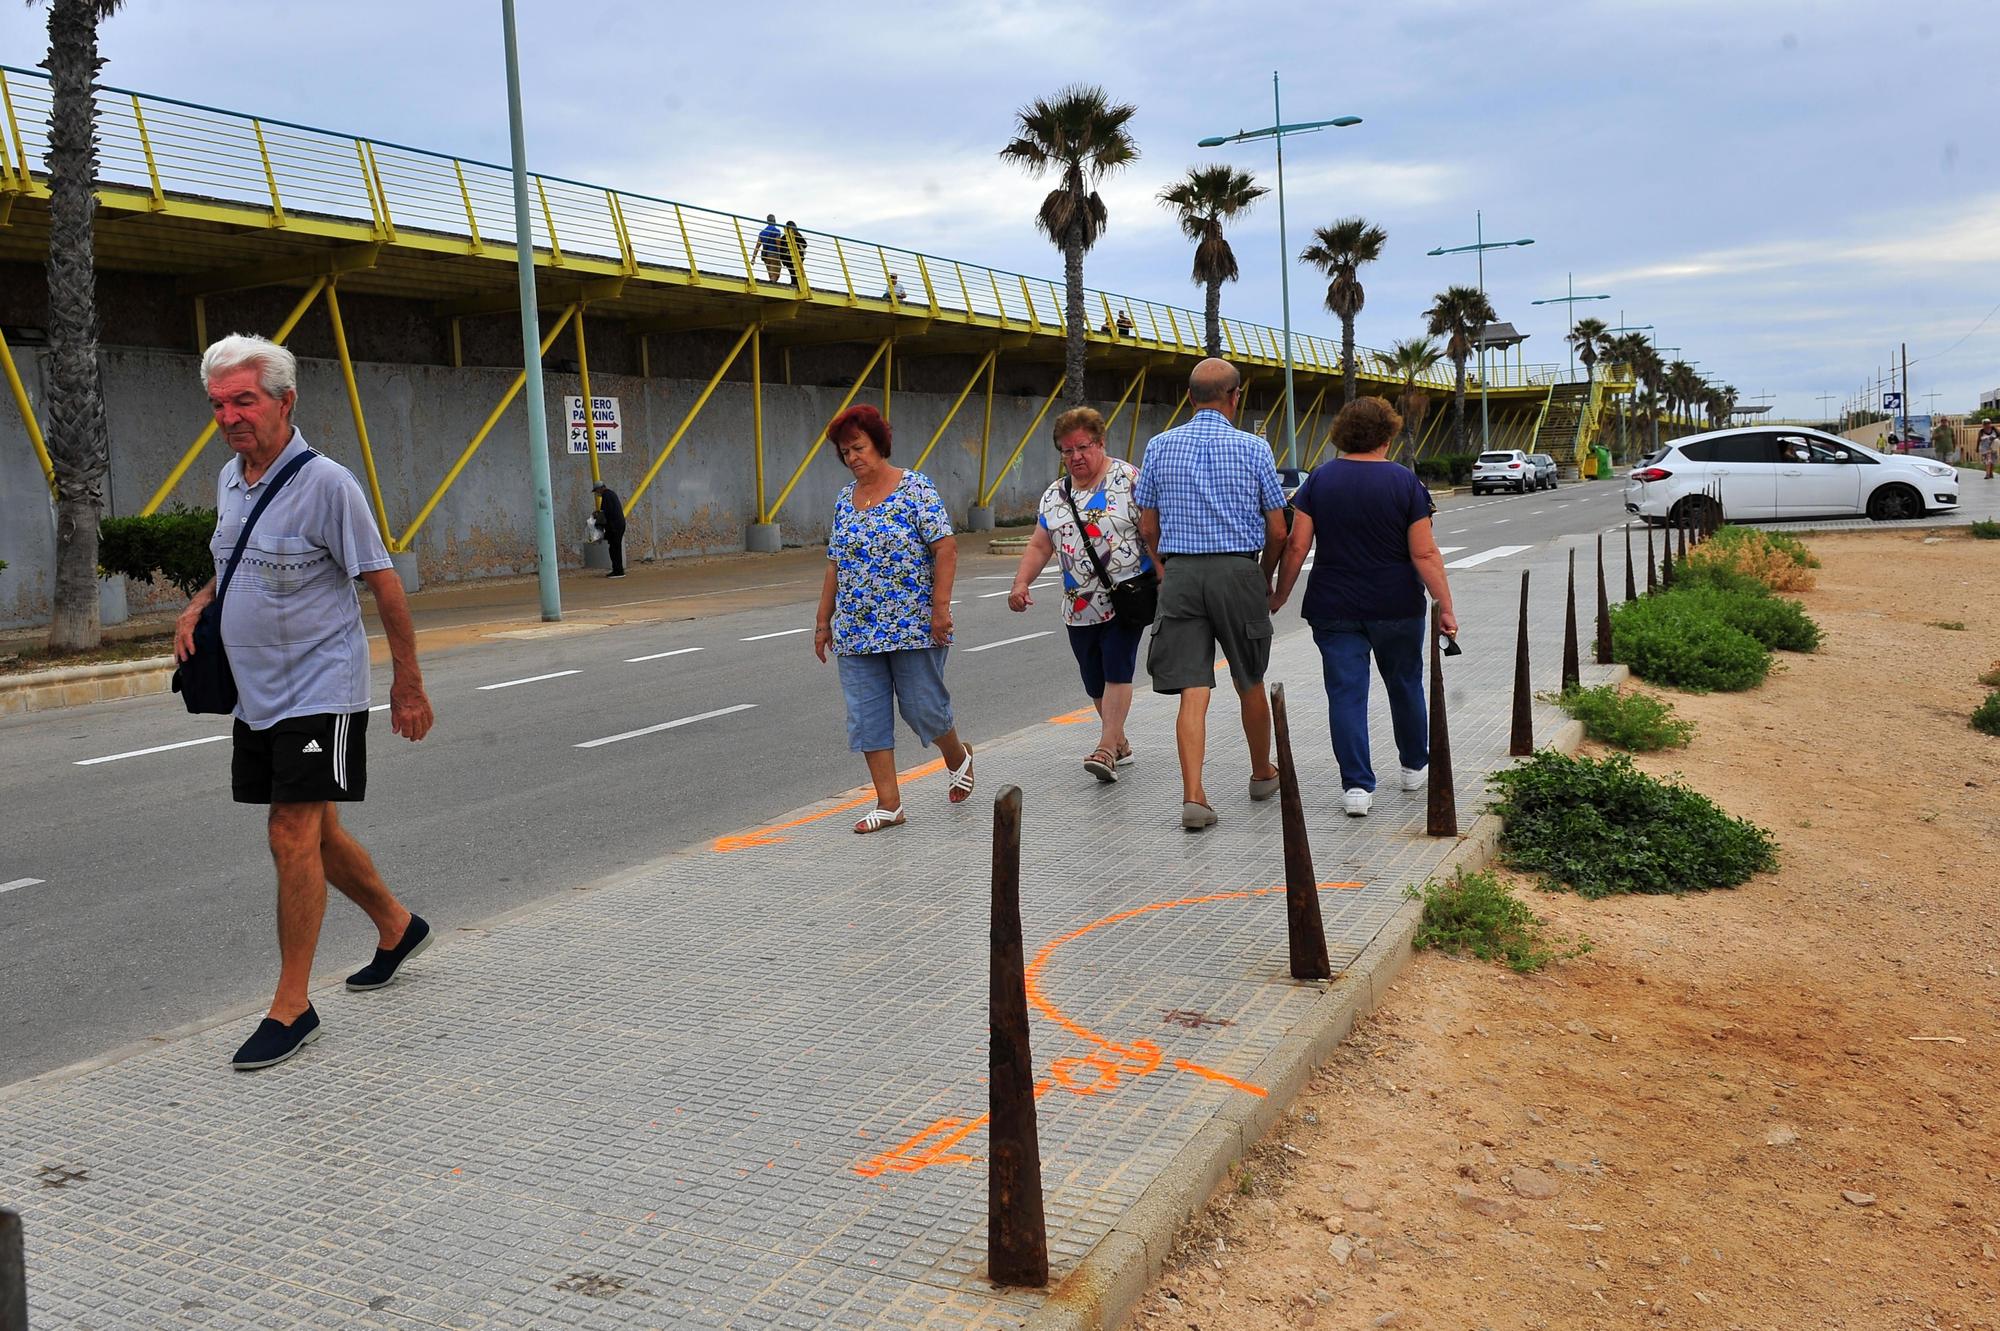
<point x="883" y="568"/>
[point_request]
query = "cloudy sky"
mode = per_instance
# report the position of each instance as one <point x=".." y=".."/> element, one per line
<point x="1787" y="189"/>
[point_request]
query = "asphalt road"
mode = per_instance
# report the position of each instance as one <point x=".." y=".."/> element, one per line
<point x="136" y="898"/>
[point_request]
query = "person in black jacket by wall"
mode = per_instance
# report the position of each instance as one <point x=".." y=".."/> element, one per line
<point x="611" y="510"/>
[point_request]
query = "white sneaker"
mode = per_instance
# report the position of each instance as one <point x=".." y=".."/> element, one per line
<point x="1415" y="778"/>
<point x="1358" y="802"/>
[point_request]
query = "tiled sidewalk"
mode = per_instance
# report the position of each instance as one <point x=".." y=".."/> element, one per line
<point x="743" y="1087"/>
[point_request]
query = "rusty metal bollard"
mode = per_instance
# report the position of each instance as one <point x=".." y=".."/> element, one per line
<point x="1521" y="739"/>
<point x="1652" y="574"/>
<point x="1667" y="557"/>
<point x="1017" y="1236"/>
<point x="1603" y="609"/>
<point x="1572" y="667"/>
<point x="13" y="1274"/>
<point x="1441" y="817"/>
<point x="1307" y="933"/>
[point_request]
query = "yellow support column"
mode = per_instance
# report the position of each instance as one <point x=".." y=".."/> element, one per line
<point x="28" y="421"/>
<point x="945" y="424"/>
<point x="589" y="406"/>
<point x="986" y="427"/>
<point x="756" y="402"/>
<point x="354" y="406"/>
<point x="986" y="499"/>
<point x="208" y="431"/>
<point x="1138" y="406"/>
<point x="860" y="379"/>
<point x="754" y="331"/>
<point x="888" y="387"/>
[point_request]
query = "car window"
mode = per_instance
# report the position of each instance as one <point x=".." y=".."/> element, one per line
<point x="1798" y="448"/>
<point x="1496" y="457"/>
<point x="1702" y="451"/>
<point x="1742" y="448"/>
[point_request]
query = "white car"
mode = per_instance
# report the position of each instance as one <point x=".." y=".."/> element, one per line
<point x="1765" y="472"/>
<point x="1504" y="469"/>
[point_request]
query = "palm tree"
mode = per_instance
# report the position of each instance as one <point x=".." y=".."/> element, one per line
<point x="1202" y="200"/>
<point x="1080" y="135"/>
<point x="1629" y="350"/>
<point x="1411" y="358"/>
<point x="1459" y="314"/>
<point x="1589" y="337"/>
<point x="77" y="438"/>
<point x="1646" y="407"/>
<point x="1339" y="251"/>
<point x="1682" y="387"/>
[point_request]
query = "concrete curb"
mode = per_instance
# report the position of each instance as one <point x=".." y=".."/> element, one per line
<point x="1116" y="1273"/>
<point x="73" y="686"/>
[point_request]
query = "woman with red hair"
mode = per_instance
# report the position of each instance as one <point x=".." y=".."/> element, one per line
<point x="885" y="611"/>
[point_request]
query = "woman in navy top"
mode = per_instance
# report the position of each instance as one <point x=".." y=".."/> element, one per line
<point x="1377" y="557"/>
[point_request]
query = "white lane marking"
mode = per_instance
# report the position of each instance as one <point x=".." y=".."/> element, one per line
<point x="1536" y="512"/>
<point x="1460" y="532"/>
<point x="1449" y="549"/>
<point x="157" y="748"/>
<point x="532" y="679"/>
<point x="21" y="882"/>
<point x="1033" y="586"/>
<point x="667" y="725"/>
<point x="1501" y="522"/>
<point x="661" y="656"/>
<point x="379" y="707"/>
<point x="781" y="633"/>
<point x="1497" y="552"/>
<point x="1008" y="642"/>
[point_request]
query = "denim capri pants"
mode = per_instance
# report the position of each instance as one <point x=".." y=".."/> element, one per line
<point x="875" y="683"/>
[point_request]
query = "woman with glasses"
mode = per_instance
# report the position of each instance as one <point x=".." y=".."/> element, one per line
<point x="885" y="612"/>
<point x="1377" y="558"/>
<point x="1089" y="518"/>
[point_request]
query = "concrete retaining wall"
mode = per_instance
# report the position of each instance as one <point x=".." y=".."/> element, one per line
<point x="421" y="416"/>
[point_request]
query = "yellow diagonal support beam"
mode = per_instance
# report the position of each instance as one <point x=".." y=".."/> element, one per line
<point x="860" y="382"/>
<point x="667" y="450"/>
<point x="28" y="421"/>
<point x="507" y="400"/>
<point x="1124" y="397"/>
<point x="986" y="500"/>
<point x="963" y="394"/>
<point x="354" y="406"/>
<point x="208" y="431"/>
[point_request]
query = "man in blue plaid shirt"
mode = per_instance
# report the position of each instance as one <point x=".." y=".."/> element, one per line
<point x="1213" y="514"/>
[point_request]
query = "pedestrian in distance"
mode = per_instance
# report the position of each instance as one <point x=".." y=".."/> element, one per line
<point x="794" y="252"/>
<point x="1989" y="446"/>
<point x="1089" y="519"/>
<point x="771" y="246"/>
<point x="1211" y="508"/>
<point x="1376" y="558"/>
<point x="885" y="612"/>
<point x="611" y="513"/>
<point x="291" y="626"/>
<point x="894" y="292"/>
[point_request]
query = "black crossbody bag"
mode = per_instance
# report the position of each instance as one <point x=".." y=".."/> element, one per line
<point x="204" y="680"/>
<point x="1135" y="600"/>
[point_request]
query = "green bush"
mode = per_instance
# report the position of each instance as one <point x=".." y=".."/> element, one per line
<point x="1986" y="531"/>
<point x="1676" y="639"/>
<point x="1477" y="913"/>
<point x="1778" y="623"/>
<point x="1636" y="721"/>
<point x="1459" y="466"/>
<point x="172" y="545"/>
<point x="1602" y="827"/>
<point x="1986" y="717"/>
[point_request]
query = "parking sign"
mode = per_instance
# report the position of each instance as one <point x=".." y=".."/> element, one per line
<point x="1892" y="402"/>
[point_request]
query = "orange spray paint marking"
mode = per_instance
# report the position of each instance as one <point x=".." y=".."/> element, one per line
<point x="1102" y="1071"/>
<point x="1081" y="716"/>
<point x="768" y="836"/>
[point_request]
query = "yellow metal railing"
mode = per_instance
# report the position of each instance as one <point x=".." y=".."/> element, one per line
<point x="185" y="158"/>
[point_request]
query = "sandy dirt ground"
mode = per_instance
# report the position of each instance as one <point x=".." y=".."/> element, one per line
<point x="1772" y="1107"/>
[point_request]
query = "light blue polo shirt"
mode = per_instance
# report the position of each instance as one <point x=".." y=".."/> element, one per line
<point x="291" y="620"/>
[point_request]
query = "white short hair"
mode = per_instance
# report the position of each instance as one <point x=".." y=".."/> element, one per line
<point x="277" y="368"/>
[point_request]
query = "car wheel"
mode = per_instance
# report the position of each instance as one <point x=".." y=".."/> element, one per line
<point x="1522" y="488"/>
<point x="1895" y="503"/>
<point x="1690" y="511"/>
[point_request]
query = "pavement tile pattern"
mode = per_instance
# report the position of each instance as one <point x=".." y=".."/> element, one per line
<point x="745" y="1089"/>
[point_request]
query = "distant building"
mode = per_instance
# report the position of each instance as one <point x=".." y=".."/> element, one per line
<point x="1990" y="401"/>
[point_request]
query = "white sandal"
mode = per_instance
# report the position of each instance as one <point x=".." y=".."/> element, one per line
<point x="960" y="786"/>
<point x="878" y="818"/>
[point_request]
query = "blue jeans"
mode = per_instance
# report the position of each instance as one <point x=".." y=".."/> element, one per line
<point x="1398" y="646"/>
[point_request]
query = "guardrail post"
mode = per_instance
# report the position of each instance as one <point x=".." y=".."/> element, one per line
<point x="13" y="1274"/>
<point x="1603" y="609"/>
<point x="1017" y="1240"/>
<point x="1303" y="927"/>
<point x="1652" y="572"/>
<point x="1631" y="580"/>
<point x="1572" y="669"/>
<point x="1441" y="817"/>
<point x="1667" y="556"/>
<point x="1521" y="739"/>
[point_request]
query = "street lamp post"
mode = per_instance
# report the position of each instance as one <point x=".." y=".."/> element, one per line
<point x="531" y="339"/>
<point x="1276" y="131"/>
<point x="1570" y="300"/>
<point x="1479" y="247"/>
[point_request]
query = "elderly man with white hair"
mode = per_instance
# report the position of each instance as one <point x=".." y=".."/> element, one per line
<point x="291" y="627"/>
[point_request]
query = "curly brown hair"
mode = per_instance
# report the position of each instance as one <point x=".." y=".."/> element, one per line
<point x="1364" y="425"/>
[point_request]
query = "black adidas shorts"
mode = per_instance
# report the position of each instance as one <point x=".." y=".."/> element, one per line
<point x="301" y="760"/>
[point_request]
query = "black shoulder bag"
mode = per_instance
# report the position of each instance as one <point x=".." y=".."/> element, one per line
<point x="1135" y="600"/>
<point x="204" y="680"/>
